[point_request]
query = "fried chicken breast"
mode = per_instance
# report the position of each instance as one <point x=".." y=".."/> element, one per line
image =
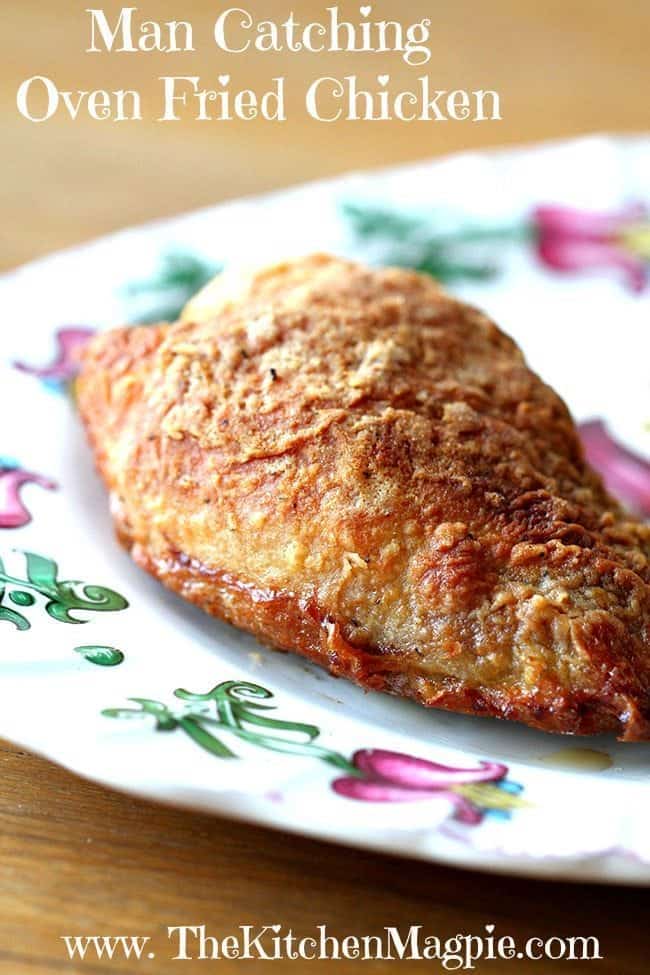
<point x="354" y="466"/>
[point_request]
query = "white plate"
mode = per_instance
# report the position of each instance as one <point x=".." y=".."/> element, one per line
<point x="505" y="807"/>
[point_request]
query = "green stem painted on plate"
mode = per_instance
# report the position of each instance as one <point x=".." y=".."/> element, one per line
<point x="234" y="707"/>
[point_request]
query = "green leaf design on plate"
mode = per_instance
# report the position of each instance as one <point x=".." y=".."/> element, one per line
<point x="464" y="252"/>
<point x="178" y="278"/>
<point x="234" y="707"/>
<point x="102" y="656"/>
<point x="62" y="597"/>
<point x="22" y="598"/>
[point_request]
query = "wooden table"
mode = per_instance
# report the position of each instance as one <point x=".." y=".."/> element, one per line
<point x="75" y="858"/>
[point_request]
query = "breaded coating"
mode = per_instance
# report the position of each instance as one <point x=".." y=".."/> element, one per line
<point x="354" y="466"/>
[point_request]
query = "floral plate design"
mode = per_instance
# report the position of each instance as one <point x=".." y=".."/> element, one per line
<point x="132" y="687"/>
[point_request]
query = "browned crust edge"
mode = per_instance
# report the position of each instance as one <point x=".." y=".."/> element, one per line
<point x="290" y="623"/>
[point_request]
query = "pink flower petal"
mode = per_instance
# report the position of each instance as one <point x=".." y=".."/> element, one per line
<point x="465" y="811"/>
<point x="372" y="791"/>
<point x="65" y="363"/>
<point x="406" y="771"/>
<point x="560" y="221"/>
<point x="13" y="513"/>
<point x="565" y="254"/>
<point x="626" y="475"/>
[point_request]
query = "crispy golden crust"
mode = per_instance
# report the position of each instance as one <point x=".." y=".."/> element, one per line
<point x="354" y="466"/>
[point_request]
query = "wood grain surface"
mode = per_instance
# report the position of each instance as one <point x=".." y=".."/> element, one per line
<point x="75" y="858"/>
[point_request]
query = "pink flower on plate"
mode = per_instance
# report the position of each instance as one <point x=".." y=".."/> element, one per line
<point x="387" y="776"/>
<point x="13" y="513"/>
<point x="577" y="240"/>
<point x="64" y="366"/>
<point x="625" y="475"/>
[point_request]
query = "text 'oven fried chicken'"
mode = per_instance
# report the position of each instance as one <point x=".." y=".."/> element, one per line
<point x="352" y="465"/>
